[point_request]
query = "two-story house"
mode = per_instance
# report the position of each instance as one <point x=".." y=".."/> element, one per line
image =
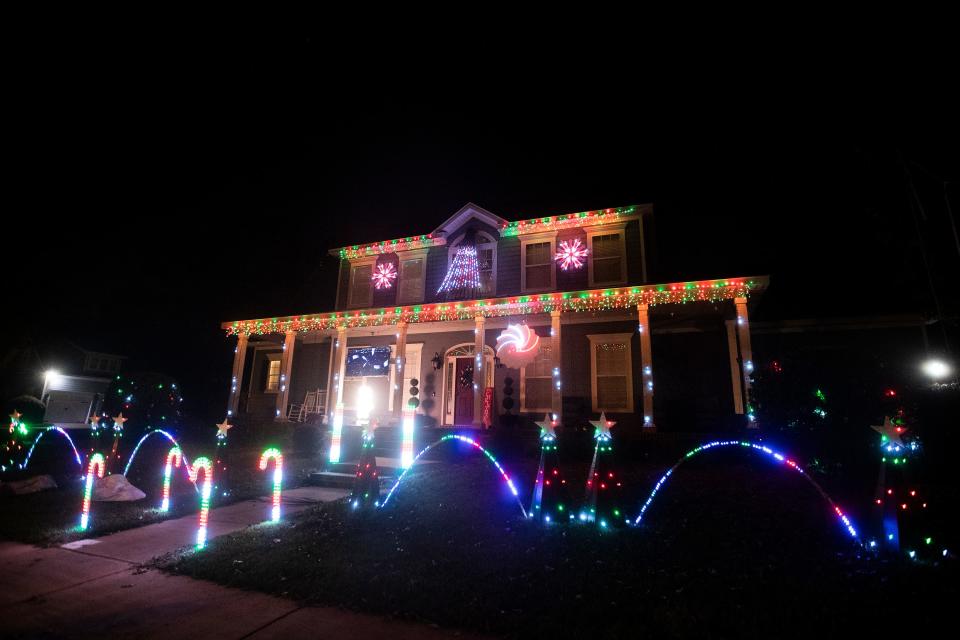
<point x="485" y="316"/>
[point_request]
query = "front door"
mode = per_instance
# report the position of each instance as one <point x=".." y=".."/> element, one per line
<point x="463" y="392"/>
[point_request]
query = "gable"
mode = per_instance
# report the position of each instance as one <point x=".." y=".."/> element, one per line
<point x="468" y="213"/>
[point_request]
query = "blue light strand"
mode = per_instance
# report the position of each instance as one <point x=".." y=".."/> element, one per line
<point x="779" y="457"/>
<point x="133" y="454"/>
<point x="471" y="442"/>
<point x="76" y="454"/>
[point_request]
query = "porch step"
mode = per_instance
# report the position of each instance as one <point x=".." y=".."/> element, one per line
<point x="331" y="479"/>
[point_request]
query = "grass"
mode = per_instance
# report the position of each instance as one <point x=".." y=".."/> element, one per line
<point x="51" y="517"/>
<point x="732" y="548"/>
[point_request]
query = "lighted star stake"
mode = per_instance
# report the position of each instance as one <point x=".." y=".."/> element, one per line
<point x="366" y="482"/>
<point x="890" y="433"/>
<point x="550" y="497"/>
<point x="384" y="276"/>
<point x="603" y="487"/>
<point x="115" y="449"/>
<point x="571" y="255"/>
<point x="222" y="487"/>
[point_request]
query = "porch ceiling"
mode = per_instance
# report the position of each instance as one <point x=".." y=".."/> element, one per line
<point x="567" y="301"/>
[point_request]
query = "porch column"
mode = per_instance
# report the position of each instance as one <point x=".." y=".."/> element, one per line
<point x="646" y="363"/>
<point x="286" y="365"/>
<point x="556" y="392"/>
<point x="239" y="357"/>
<point x="746" y="356"/>
<point x="340" y="365"/>
<point x="399" y="366"/>
<point x="735" y="374"/>
<point x="478" y="373"/>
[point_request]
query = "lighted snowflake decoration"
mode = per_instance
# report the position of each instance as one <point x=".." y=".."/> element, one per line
<point x="571" y="255"/>
<point x="384" y="276"/>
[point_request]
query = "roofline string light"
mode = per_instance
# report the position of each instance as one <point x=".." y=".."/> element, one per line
<point x="277" y="457"/>
<point x="568" y="301"/>
<point x="474" y="444"/>
<point x="779" y="457"/>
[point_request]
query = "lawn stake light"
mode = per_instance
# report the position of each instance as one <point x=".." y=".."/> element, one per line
<point x="277" y="457"/>
<point x="174" y="457"/>
<point x="203" y="464"/>
<point x="96" y="467"/>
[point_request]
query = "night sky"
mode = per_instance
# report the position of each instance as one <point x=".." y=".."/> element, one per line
<point x="168" y="185"/>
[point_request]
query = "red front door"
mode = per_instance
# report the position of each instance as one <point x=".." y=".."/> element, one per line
<point x="463" y="381"/>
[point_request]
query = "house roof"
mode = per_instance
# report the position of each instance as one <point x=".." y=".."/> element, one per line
<point x="567" y="301"/>
<point x="507" y="228"/>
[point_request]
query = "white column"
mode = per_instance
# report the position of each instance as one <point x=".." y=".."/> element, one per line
<point x="646" y="364"/>
<point x="341" y="365"/>
<point x="236" y="382"/>
<point x="399" y="367"/>
<point x="556" y="392"/>
<point x="286" y="366"/>
<point x="746" y="356"/>
<point x="735" y="372"/>
<point x="478" y="370"/>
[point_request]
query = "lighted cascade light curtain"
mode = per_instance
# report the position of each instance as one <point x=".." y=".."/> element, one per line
<point x="462" y="281"/>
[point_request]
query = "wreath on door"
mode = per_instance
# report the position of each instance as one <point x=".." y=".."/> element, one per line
<point x="466" y="377"/>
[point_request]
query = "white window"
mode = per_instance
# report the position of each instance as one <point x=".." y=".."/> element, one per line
<point x="413" y="271"/>
<point x="361" y="284"/>
<point x="537" y="268"/>
<point x="536" y="381"/>
<point x="486" y="261"/>
<point x="607" y="263"/>
<point x="273" y="374"/>
<point x="611" y="369"/>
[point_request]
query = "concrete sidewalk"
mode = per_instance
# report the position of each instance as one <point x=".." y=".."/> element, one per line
<point x="97" y="588"/>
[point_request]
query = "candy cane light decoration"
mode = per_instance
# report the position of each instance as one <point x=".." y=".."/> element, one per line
<point x="96" y="466"/>
<point x="203" y="464"/>
<point x="174" y="458"/>
<point x="517" y="345"/>
<point x="274" y="453"/>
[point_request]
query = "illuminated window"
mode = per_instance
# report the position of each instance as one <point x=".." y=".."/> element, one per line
<point x="611" y="369"/>
<point x="273" y="375"/>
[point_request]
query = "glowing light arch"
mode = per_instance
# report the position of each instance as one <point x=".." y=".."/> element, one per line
<point x="76" y="454"/>
<point x="475" y="445"/>
<point x="779" y="457"/>
<point x="169" y="437"/>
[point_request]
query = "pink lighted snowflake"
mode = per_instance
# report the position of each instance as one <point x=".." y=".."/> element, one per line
<point x="384" y="276"/>
<point x="571" y="255"/>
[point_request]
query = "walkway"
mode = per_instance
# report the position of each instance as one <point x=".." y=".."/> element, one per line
<point x="97" y="588"/>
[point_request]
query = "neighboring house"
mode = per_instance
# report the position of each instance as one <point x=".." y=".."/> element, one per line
<point x="437" y="316"/>
<point x="75" y="382"/>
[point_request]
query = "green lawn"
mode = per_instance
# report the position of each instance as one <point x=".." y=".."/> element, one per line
<point x="51" y="517"/>
<point x="733" y="547"/>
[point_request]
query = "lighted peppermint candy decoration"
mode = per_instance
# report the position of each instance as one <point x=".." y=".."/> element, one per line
<point x="384" y="276"/>
<point x="571" y="255"/>
<point x="517" y="346"/>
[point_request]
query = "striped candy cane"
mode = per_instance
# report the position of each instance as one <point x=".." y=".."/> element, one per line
<point x="203" y="464"/>
<point x="96" y="466"/>
<point x="274" y="453"/>
<point x="174" y="457"/>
